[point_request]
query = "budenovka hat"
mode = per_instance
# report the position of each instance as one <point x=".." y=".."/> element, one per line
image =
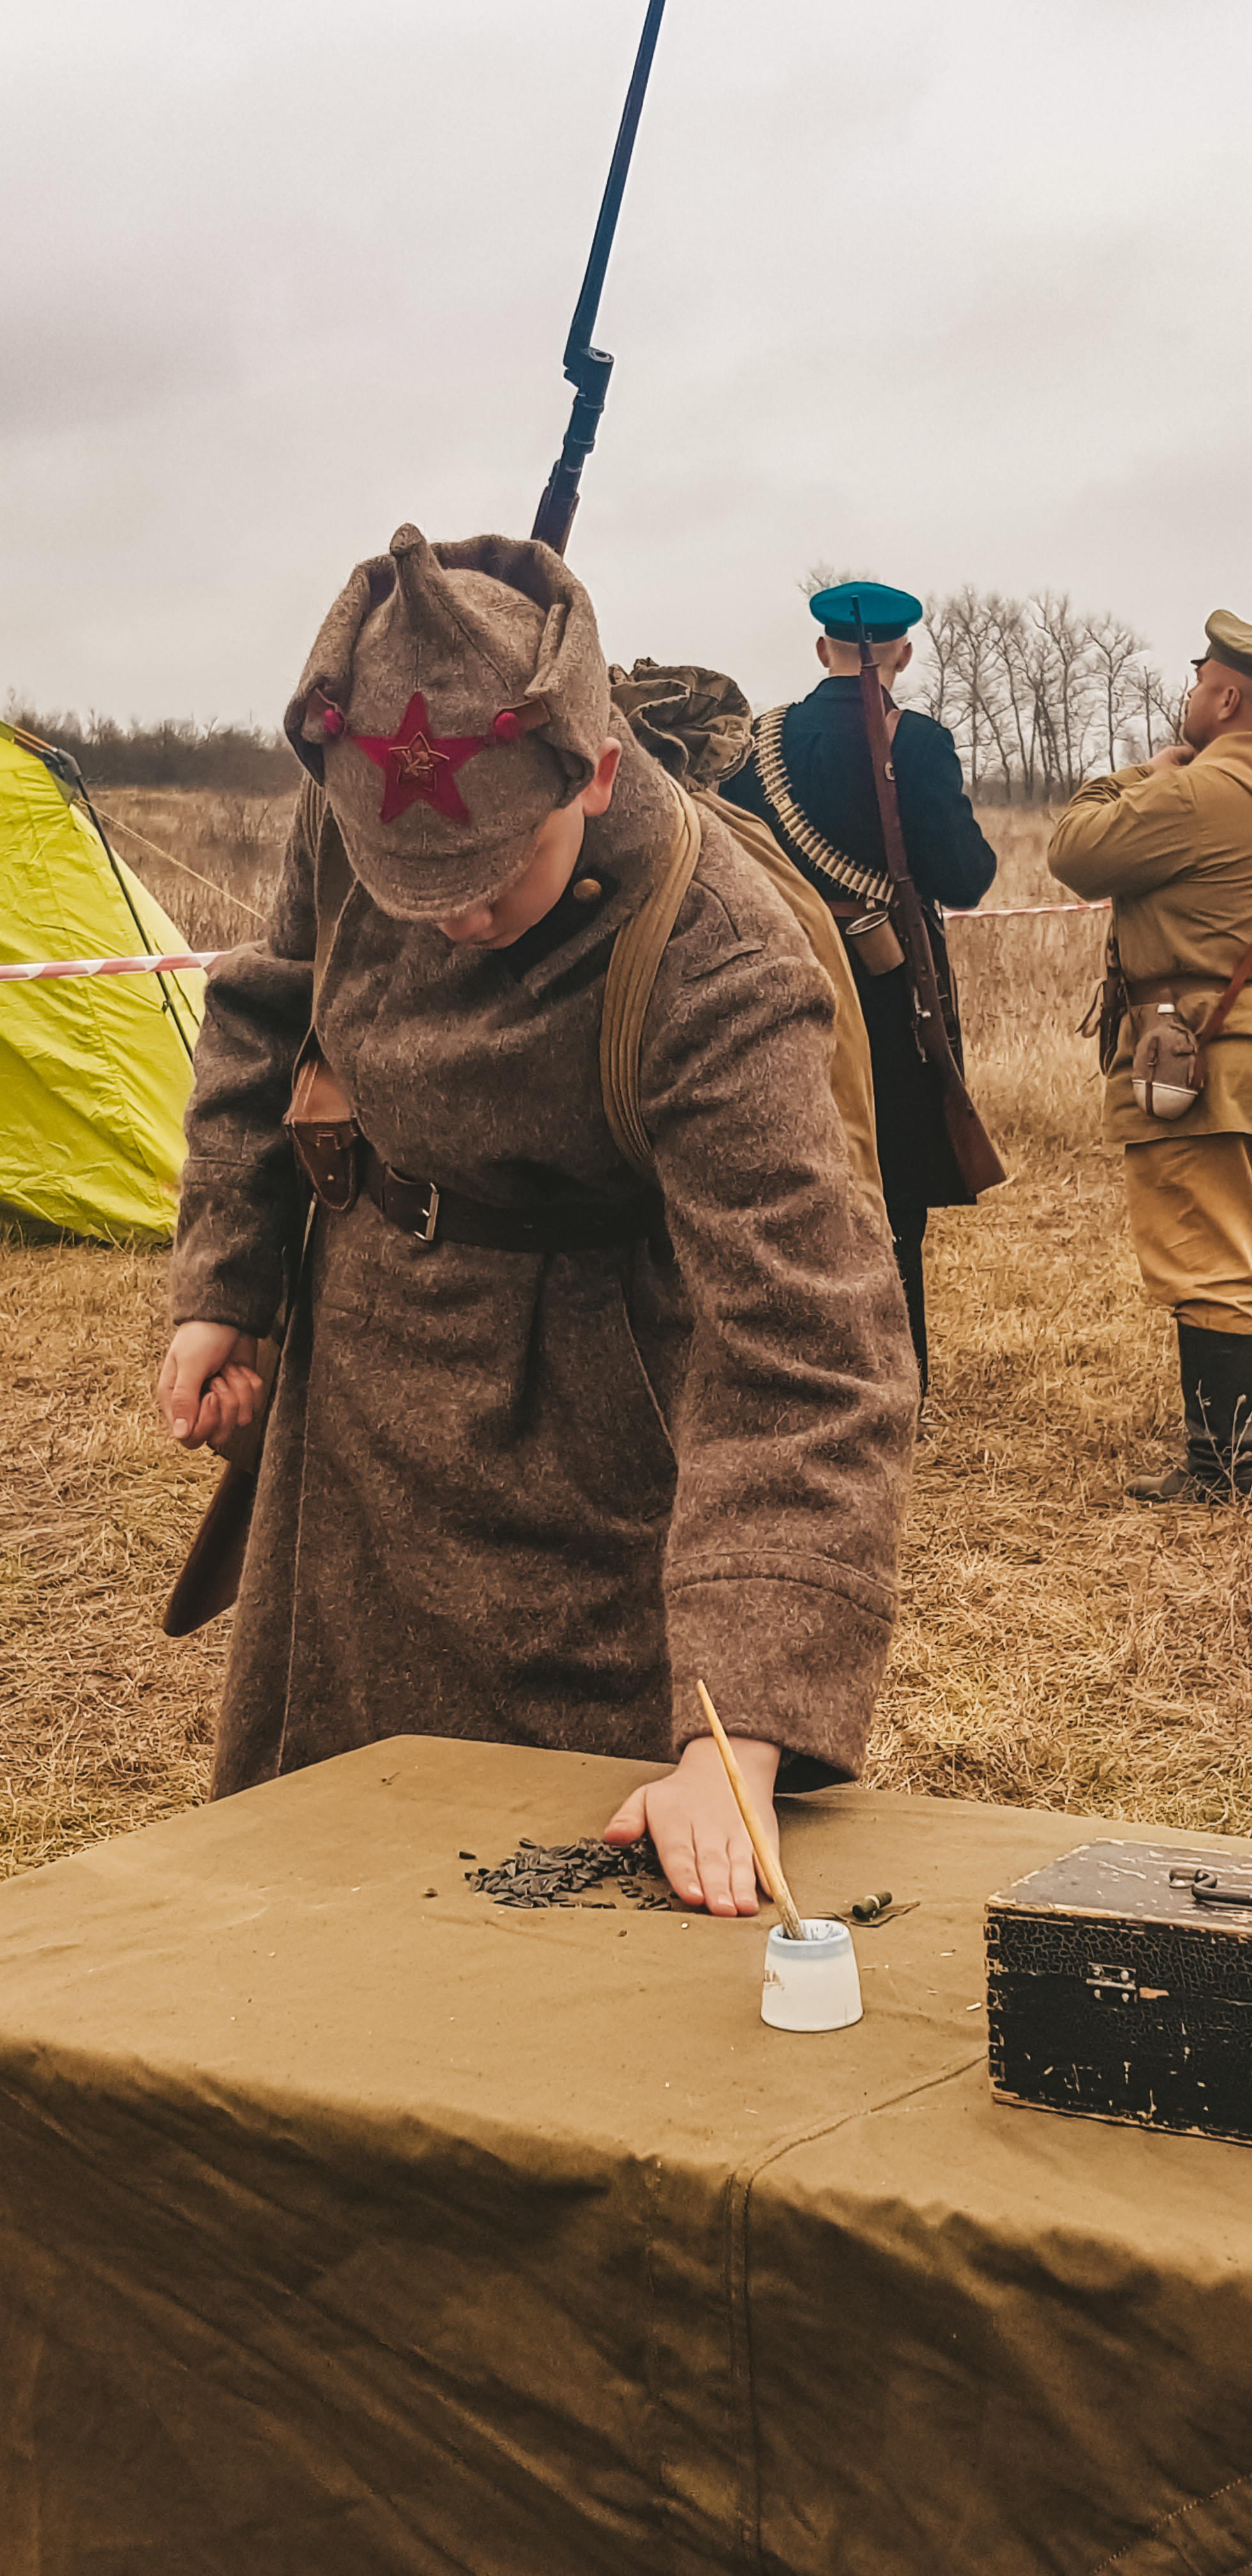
<point x="1230" y="641"/>
<point x="885" y="614"/>
<point x="454" y="696"/>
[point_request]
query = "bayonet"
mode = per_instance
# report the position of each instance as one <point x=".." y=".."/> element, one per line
<point x="588" y="369"/>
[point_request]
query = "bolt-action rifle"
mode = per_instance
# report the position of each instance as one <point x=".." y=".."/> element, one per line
<point x="588" y="369"/>
<point x="980" y="1165"/>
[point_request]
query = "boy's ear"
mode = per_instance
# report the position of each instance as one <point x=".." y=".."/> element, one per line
<point x="595" y="798"/>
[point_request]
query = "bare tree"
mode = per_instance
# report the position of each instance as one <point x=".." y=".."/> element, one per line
<point x="974" y="669"/>
<point x="1035" y="695"/>
<point x="1116" y="654"/>
<point x="1072" y="700"/>
<point x="823" y="576"/>
<point x="940" y="680"/>
<point x="1156" y="716"/>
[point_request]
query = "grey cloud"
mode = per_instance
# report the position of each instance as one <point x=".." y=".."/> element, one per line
<point x="895" y="286"/>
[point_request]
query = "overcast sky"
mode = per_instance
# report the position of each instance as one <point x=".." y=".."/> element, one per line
<point x="938" y="294"/>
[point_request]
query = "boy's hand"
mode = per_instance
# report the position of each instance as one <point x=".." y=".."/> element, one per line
<point x="208" y="1386"/>
<point x="701" y="1839"/>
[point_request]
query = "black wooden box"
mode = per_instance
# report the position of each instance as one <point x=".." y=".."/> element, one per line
<point x="1118" y="1992"/>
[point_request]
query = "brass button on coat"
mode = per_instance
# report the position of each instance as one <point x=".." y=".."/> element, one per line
<point x="587" y="890"/>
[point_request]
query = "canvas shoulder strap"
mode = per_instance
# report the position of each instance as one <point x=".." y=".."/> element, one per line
<point x="851" y="1074"/>
<point x="771" y="769"/>
<point x="637" y="953"/>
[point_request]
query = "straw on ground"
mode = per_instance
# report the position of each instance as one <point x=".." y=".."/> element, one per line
<point x="1056" y="1647"/>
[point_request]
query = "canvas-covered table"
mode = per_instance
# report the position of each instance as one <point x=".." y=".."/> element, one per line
<point x="349" y="2229"/>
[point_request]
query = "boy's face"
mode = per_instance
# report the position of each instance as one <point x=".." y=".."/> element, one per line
<point x="547" y="861"/>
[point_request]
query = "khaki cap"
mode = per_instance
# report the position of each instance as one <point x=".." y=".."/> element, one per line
<point x="454" y="696"/>
<point x="1230" y="641"/>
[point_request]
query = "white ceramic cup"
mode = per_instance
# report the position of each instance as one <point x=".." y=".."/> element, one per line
<point x="811" y="1984"/>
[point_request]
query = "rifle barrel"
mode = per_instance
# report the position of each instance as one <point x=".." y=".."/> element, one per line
<point x="588" y="304"/>
<point x="588" y="369"/>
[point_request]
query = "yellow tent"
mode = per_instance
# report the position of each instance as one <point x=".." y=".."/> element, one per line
<point x="94" y="1072"/>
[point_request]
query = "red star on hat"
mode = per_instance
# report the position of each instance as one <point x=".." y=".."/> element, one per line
<point x="416" y="764"/>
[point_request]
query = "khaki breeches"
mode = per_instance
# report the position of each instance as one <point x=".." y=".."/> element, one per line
<point x="1190" y="1202"/>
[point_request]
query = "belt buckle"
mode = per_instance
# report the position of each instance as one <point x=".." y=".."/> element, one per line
<point x="425" y="1232"/>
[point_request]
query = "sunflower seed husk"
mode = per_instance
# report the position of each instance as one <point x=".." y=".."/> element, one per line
<point x="539" y="1876"/>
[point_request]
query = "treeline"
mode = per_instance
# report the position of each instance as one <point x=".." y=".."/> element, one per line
<point x="233" y="759"/>
<point x="1037" y="695"/>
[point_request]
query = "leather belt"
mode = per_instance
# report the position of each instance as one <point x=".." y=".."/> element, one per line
<point x="1162" y="988"/>
<point x="429" y="1215"/>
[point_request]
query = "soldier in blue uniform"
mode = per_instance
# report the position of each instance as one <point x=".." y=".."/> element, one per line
<point x="809" y="778"/>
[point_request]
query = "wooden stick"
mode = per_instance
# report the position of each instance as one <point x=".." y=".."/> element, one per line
<point x="769" y="1867"/>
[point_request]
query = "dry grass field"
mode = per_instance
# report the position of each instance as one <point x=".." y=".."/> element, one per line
<point x="1056" y="1647"/>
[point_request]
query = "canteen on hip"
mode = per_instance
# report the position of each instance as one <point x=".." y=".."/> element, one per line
<point x="1166" y="1073"/>
<point x="874" y="941"/>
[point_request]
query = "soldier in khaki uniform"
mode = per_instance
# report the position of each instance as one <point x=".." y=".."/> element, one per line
<point x="1171" y="842"/>
<point x="549" y="1440"/>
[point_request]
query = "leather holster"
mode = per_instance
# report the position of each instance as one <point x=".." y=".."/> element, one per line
<point x="324" y="1134"/>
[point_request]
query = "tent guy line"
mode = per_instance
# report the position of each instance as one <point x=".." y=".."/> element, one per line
<point x="30" y="974"/>
<point x="116" y="824"/>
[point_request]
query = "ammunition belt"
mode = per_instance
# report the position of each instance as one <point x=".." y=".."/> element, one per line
<point x="821" y="854"/>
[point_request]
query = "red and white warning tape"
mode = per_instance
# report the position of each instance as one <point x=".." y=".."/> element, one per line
<point x="110" y="966"/>
<point x="1020" y="911"/>
<point x="33" y="974"/>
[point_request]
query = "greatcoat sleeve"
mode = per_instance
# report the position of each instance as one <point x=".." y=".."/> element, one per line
<point x="1125" y="834"/>
<point x="794" y="1429"/>
<point x="240" y="1208"/>
<point x="951" y="861"/>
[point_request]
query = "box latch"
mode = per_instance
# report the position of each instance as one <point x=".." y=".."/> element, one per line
<point x="1112" y="1985"/>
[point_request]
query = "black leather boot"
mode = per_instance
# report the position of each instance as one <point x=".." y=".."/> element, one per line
<point x="1216" y="1372"/>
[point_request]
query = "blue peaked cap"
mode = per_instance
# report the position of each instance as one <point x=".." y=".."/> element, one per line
<point x="886" y="614"/>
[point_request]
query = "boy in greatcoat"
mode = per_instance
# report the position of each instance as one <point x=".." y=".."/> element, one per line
<point x="548" y="1442"/>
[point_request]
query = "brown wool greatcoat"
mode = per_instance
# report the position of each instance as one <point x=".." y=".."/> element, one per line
<point x="530" y="1497"/>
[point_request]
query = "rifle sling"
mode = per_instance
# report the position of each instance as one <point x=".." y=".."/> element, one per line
<point x="980" y="1164"/>
<point x="1222" y="1008"/>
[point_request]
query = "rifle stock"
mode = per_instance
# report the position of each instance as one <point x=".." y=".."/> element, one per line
<point x="979" y="1164"/>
